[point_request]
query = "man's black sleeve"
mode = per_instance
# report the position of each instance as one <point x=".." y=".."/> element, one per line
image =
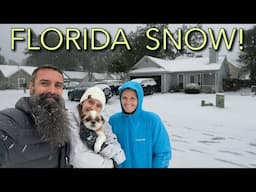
<point x="3" y="150"/>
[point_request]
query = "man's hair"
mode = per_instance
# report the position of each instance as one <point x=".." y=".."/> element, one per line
<point x="45" y="67"/>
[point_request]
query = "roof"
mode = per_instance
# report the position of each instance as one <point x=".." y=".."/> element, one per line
<point x="178" y="65"/>
<point x="75" y="74"/>
<point x="9" y="70"/>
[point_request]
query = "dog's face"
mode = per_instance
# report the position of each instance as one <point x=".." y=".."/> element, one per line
<point x="93" y="120"/>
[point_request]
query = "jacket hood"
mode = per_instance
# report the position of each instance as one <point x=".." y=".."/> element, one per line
<point x="139" y="91"/>
<point x="23" y="105"/>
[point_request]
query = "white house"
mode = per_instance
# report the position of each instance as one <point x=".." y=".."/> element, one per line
<point x="14" y="76"/>
<point x="207" y="72"/>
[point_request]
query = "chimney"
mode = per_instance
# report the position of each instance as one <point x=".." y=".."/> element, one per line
<point x="213" y="56"/>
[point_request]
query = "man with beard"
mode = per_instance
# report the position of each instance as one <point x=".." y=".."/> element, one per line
<point x="34" y="134"/>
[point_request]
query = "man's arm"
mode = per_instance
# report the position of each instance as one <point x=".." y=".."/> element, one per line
<point x="3" y="150"/>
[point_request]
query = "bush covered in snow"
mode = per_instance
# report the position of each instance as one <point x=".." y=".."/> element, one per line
<point x="192" y="88"/>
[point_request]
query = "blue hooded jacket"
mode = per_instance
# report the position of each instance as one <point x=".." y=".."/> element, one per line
<point x="141" y="134"/>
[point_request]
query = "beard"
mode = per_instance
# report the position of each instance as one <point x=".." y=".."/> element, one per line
<point x="51" y="119"/>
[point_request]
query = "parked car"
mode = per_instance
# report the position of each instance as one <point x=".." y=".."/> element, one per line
<point x="114" y="85"/>
<point x="70" y="84"/>
<point x="148" y="85"/>
<point x="76" y="93"/>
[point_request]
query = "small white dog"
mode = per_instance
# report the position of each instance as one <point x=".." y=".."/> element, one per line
<point x="94" y="121"/>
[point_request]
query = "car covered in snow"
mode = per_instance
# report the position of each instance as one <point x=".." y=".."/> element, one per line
<point x="148" y="85"/>
<point x="76" y="93"/>
<point x="114" y="85"/>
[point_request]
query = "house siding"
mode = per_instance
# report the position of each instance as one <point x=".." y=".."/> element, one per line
<point x="211" y="81"/>
<point x="3" y="81"/>
<point x="13" y="80"/>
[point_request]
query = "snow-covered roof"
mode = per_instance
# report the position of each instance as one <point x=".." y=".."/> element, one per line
<point x="148" y="70"/>
<point x="179" y="65"/>
<point x="99" y="75"/>
<point x="114" y="76"/>
<point x="28" y="69"/>
<point x="9" y="70"/>
<point x="75" y="74"/>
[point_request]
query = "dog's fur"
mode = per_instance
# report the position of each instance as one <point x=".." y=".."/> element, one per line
<point x="94" y="121"/>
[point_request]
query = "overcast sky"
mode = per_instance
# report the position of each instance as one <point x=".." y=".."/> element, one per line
<point x="18" y="55"/>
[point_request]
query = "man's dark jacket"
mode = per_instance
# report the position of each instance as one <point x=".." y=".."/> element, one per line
<point x="20" y="144"/>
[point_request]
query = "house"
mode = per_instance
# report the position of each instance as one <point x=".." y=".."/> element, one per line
<point x="16" y="76"/>
<point x="73" y="78"/>
<point x="207" y="72"/>
<point x="102" y="76"/>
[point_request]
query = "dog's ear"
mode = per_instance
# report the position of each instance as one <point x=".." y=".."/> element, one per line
<point x="79" y="108"/>
<point x="102" y="119"/>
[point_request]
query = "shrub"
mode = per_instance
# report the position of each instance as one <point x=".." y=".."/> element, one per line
<point x="192" y="88"/>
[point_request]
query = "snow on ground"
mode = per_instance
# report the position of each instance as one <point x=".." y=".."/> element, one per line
<point x="201" y="137"/>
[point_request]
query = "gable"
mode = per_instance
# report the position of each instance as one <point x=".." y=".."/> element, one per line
<point x="147" y="64"/>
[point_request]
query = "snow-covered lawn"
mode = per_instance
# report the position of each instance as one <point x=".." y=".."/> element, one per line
<point x="202" y="137"/>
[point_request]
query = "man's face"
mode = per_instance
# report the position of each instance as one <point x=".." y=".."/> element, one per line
<point x="47" y="105"/>
<point x="47" y="81"/>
